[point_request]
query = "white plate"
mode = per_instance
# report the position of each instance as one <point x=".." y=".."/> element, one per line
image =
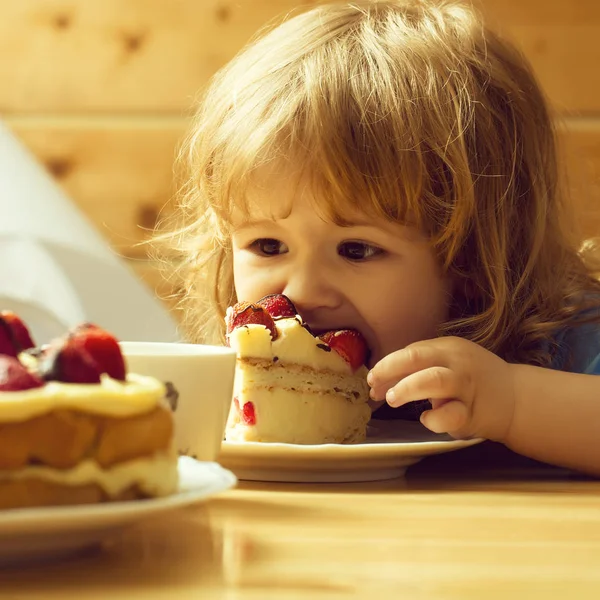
<point x="391" y="447"/>
<point x="33" y="534"/>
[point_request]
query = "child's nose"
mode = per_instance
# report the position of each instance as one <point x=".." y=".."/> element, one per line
<point x="311" y="286"/>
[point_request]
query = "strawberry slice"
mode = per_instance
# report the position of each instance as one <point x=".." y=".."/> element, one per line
<point x="248" y="414"/>
<point x="349" y="344"/>
<point x="20" y="334"/>
<point x="82" y="356"/>
<point x="103" y="348"/>
<point x="7" y="344"/>
<point x="67" y="360"/>
<point x="14" y="377"/>
<point x="278" y="306"/>
<point x="246" y="313"/>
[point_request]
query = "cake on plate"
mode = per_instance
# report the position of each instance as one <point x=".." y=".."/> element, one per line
<point x="292" y="386"/>
<point x="75" y="427"/>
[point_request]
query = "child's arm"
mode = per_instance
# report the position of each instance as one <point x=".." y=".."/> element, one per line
<point x="548" y="415"/>
<point x="556" y="417"/>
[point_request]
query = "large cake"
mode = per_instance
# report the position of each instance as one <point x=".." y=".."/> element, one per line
<point x="290" y="385"/>
<point x="75" y="427"/>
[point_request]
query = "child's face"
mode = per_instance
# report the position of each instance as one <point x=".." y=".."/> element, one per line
<point x="375" y="276"/>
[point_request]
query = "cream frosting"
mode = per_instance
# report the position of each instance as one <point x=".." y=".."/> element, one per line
<point x="155" y="475"/>
<point x="111" y="397"/>
<point x="294" y="344"/>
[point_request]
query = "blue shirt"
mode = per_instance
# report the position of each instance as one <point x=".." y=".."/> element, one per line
<point x="579" y="349"/>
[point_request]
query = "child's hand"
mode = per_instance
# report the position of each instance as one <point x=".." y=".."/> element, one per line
<point x="471" y="389"/>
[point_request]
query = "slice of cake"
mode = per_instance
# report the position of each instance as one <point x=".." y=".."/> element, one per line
<point x="75" y="427"/>
<point x="291" y="386"/>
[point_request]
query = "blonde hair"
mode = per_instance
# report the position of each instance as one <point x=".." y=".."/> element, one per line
<point x="408" y="109"/>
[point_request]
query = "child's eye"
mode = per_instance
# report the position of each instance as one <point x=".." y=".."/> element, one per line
<point x="268" y="247"/>
<point x="358" y="250"/>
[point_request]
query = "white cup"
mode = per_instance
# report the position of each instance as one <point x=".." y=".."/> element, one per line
<point x="203" y="377"/>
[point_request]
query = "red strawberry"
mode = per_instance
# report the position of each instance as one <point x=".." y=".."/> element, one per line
<point x="278" y="306"/>
<point x="14" y="377"/>
<point x="20" y="334"/>
<point x="103" y="348"/>
<point x="68" y="361"/>
<point x="246" y="313"/>
<point x="7" y="345"/>
<point x="248" y="414"/>
<point x="349" y="344"/>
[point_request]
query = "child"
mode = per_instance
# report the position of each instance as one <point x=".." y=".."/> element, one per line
<point x="390" y="166"/>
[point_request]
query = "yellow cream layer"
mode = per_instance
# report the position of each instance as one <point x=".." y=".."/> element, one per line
<point x="294" y="344"/>
<point x="156" y="475"/>
<point x="110" y="397"/>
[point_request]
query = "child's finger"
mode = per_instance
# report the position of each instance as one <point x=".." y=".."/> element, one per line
<point x="409" y="360"/>
<point x="451" y="417"/>
<point x="434" y="382"/>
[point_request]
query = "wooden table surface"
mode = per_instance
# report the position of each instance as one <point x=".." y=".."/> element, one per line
<point x="456" y="527"/>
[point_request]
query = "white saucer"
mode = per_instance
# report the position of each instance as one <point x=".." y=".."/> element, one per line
<point x="33" y="534"/>
<point x="390" y="448"/>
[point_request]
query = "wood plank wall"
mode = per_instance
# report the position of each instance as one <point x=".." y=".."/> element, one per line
<point x="100" y="91"/>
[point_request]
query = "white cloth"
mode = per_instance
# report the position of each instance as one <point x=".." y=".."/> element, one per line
<point x="56" y="270"/>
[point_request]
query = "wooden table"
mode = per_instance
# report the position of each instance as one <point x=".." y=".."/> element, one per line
<point x="455" y="528"/>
